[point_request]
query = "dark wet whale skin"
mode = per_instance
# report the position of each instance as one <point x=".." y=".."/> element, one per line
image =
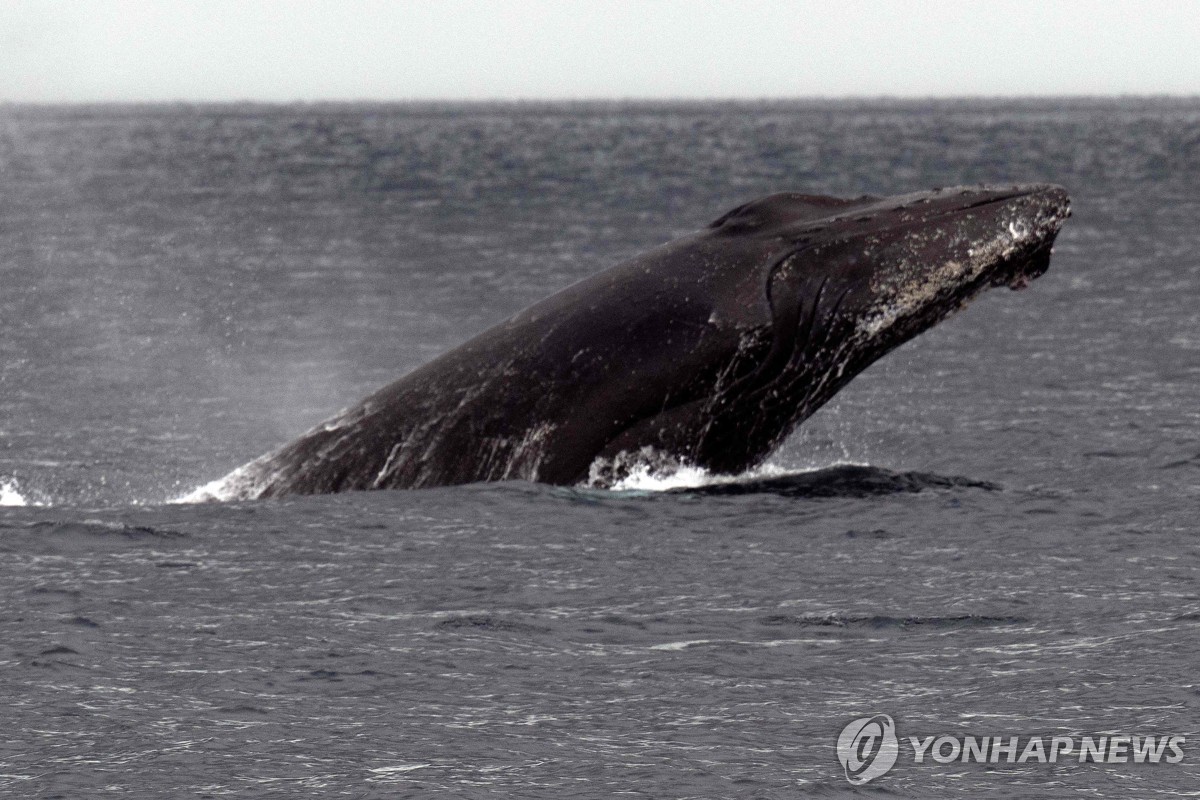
<point x="709" y="349"/>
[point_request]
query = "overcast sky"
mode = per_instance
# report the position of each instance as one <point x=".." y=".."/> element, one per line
<point x="281" y="50"/>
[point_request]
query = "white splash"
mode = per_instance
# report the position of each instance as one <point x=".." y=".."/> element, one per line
<point x="233" y="486"/>
<point x="211" y="492"/>
<point x="648" y="478"/>
<point x="10" y="495"/>
<point x="656" y="475"/>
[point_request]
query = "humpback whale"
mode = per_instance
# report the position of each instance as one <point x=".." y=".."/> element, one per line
<point x="708" y="350"/>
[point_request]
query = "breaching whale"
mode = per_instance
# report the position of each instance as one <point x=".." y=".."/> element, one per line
<point x="708" y="350"/>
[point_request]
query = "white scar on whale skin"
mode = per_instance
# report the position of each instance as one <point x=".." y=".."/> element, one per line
<point x="919" y="293"/>
<point x="528" y="454"/>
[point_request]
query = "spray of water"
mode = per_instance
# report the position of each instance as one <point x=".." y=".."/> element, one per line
<point x="10" y="495"/>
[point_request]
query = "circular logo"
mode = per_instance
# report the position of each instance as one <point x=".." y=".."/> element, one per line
<point x="867" y="748"/>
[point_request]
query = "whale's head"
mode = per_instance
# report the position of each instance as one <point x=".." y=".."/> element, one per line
<point x="844" y="282"/>
<point x="899" y="265"/>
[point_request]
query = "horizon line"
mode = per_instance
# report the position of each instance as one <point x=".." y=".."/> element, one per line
<point x="603" y="100"/>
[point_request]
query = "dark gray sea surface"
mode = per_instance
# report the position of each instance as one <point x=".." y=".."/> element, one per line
<point x="991" y="532"/>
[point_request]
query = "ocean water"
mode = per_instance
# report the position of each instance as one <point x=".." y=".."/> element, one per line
<point x="990" y="532"/>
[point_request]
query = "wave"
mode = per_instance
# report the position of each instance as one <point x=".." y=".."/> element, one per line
<point x="842" y="480"/>
<point x="877" y="621"/>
